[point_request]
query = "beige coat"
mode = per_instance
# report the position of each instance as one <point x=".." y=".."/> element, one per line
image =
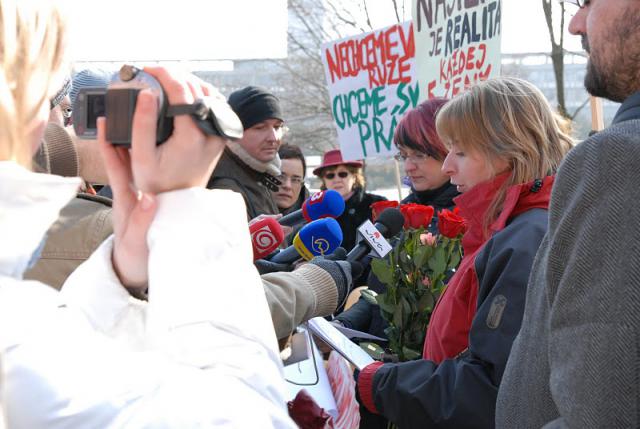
<point x="83" y="225"/>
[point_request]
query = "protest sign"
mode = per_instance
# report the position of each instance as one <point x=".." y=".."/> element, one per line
<point x="371" y="80"/>
<point x="457" y="44"/>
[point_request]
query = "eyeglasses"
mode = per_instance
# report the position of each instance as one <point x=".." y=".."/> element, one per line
<point x="295" y="180"/>
<point x="341" y="174"/>
<point x="417" y="158"/>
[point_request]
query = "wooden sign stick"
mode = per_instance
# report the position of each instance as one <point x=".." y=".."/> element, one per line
<point x="597" y="116"/>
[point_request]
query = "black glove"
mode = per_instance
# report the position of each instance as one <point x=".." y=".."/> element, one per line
<point x="265" y="267"/>
<point x="340" y="272"/>
<point x="340" y="254"/>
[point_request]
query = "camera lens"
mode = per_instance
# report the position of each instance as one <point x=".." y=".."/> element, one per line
<point x="95" y="109"/>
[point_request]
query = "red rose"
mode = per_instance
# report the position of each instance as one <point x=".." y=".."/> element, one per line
<point x="450" y="223"/>
<point x="379" y="207"/>
<point x="416" y="215"/>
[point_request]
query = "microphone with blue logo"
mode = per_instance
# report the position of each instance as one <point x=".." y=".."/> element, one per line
<point x="325" y="204"/>
<point x="318" y="238"/>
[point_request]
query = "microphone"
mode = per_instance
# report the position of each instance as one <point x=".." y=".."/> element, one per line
<point x="320" y="237"/>
<point x="389" y="223"/>
<point x="320" y="205"/>
<point x="266" y="236"/>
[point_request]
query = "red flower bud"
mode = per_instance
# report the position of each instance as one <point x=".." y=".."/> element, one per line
<point x="450" y="223"/>
<point x="379" y="207"/>
<point x="416" y="215"/>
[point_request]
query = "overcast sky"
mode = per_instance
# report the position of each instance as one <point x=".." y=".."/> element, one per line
<point x="524" y="27"/>
<point x="123" y="30"/>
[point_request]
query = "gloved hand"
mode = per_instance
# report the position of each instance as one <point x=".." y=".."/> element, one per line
<point x="265" y="267"/>
<point x="340" y="254"/>
<point x="340" y="272"/>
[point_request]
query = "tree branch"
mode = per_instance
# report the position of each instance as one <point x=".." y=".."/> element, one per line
<point x="366" y="13"/>
<point x="575" y="114"/>
<point x="395" y="8"/>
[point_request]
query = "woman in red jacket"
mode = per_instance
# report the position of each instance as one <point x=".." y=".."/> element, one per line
<point x="504" y="144"/>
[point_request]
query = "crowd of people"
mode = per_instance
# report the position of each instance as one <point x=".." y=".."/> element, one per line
<point x="129" y="294"/>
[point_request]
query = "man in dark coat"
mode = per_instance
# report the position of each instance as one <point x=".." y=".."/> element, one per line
<point x="575" y="361"/>
<point x="250" y="165"/>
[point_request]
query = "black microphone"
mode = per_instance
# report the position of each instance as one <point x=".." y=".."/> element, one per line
<point x="389" y="223"/>
<point x="323" y="204"/>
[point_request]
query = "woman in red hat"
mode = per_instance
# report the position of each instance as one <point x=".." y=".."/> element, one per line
<point x="346" y="177"/>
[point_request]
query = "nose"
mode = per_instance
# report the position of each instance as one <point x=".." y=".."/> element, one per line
<point x="448" y="166"/>
<point x="285" y="183"/>
<point x="272" y="134"/>
<point x="577" y="24"/>
<point x="409" y="165"/>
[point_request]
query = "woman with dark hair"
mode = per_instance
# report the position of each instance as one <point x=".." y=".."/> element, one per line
<point x="422" y="152"/>
<point x="292" y="191"/>
<point x="346" y="177"/>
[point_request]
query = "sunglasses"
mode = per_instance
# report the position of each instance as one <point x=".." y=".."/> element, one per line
<point x="342" y="175"/>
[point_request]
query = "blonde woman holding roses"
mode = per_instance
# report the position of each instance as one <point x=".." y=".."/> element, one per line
<point x="422" y="153"/>
<point x="505" y="145"/>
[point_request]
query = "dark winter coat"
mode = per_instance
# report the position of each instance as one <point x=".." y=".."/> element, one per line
<point x="236" y="174"/>
<point x="474" y="323"/>
<point x="357" y="210"/>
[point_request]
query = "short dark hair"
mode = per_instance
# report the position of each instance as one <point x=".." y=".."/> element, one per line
<point x="289" y="151"/>
<point x="417" y="129"/>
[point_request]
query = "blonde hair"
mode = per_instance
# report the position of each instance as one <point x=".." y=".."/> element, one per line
<point x="510" y="119"/>
<point x="32" y="41"/>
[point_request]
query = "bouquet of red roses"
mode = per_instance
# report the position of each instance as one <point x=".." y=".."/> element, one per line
<point x="414" y="273"/>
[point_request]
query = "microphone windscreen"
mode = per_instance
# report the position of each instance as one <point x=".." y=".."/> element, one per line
<point x="320" y="237"/>
<point x="325" y="204"/>
<point x="392" y="219"/>
<point x="266" y="236"/>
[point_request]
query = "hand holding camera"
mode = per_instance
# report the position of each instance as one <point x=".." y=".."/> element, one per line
<point x="186" y="158"/>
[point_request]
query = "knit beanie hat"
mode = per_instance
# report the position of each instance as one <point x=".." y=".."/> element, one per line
<point x="254" y="104"/>
<point x="88" y="78"/>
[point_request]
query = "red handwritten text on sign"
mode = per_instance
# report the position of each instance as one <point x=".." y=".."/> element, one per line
<point x="383" y="55"/>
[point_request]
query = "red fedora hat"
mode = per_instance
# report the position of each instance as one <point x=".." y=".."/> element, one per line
<point x="333" y="158"/>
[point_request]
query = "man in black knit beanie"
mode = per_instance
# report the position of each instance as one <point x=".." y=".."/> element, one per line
<point x="250" y="165"/>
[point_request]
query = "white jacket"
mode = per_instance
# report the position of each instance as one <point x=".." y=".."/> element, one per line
<point x="203" y="354"/>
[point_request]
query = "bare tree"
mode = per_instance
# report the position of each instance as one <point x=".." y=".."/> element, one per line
<point x="557" y="51"/>
<point x="302" y="84"/>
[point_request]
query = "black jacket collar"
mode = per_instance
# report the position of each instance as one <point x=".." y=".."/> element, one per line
<point x="441" y="197"/>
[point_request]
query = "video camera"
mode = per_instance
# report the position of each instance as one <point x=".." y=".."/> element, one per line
<point x="117" y="103"/>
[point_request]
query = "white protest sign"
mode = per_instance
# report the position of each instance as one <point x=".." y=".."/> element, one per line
<point x="457" y="44"/>
<point x="371" y="81"/>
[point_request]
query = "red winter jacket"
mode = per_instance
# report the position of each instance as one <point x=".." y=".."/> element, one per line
<point x="474" y="323"/>
<point x="448" y="331"/>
